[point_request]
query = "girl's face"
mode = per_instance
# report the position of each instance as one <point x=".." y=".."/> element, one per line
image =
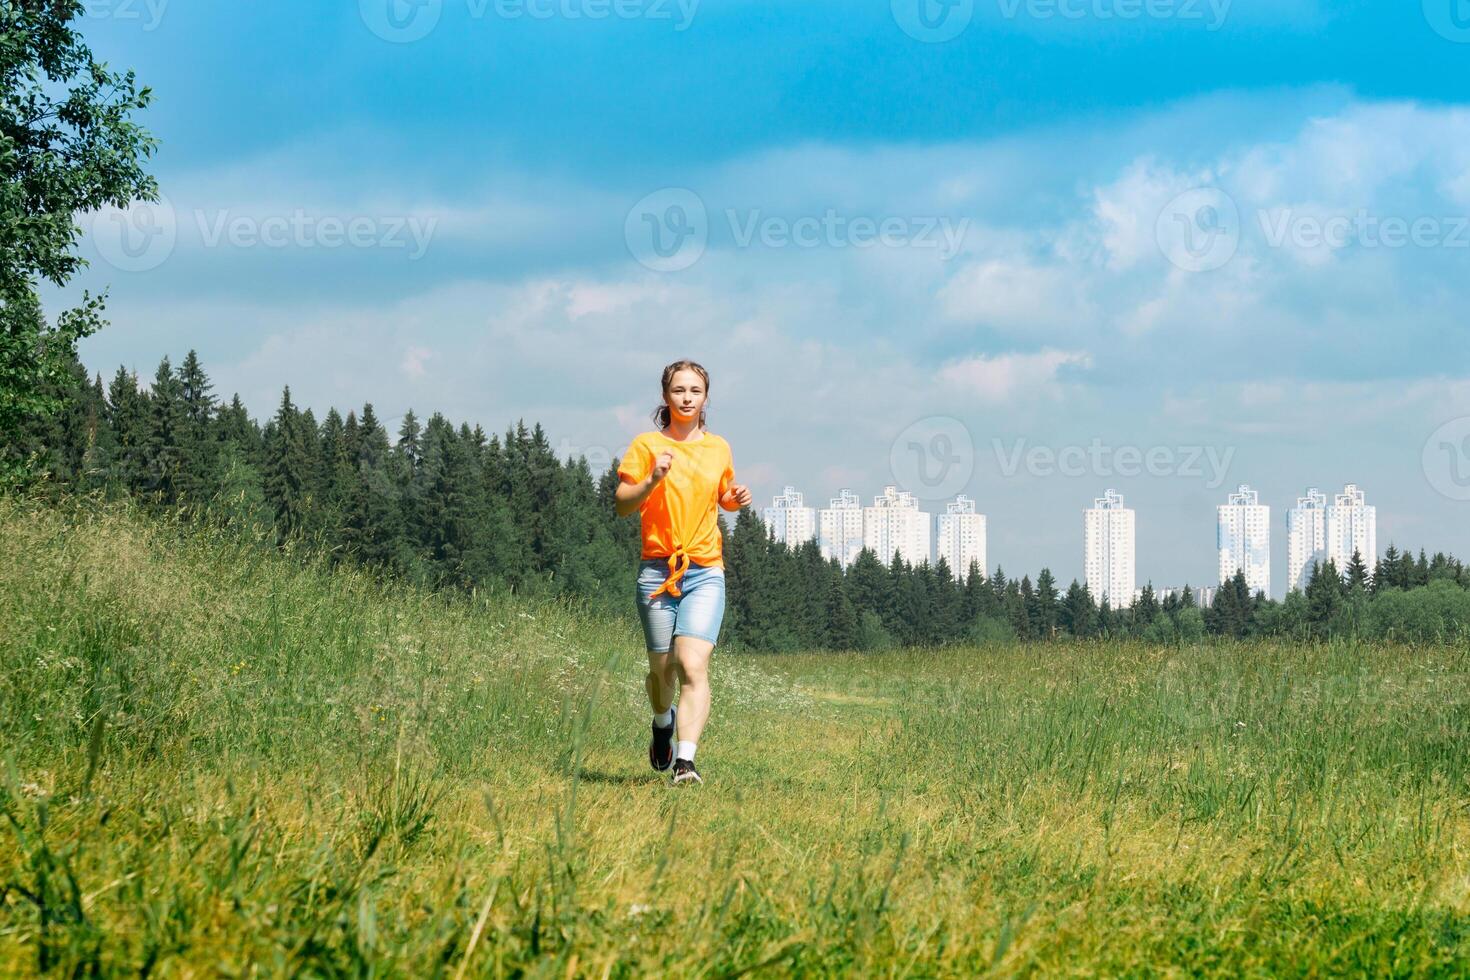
<point x="686" y="395"/>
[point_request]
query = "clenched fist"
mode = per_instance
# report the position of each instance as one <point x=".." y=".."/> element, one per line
<point x="661" y="466"/>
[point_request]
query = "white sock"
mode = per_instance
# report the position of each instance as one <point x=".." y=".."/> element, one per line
<point x="666" y="719"/>
<point x="686" y="751"/>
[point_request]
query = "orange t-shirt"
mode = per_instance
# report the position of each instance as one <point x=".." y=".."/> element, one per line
<point x="680" y="517"/>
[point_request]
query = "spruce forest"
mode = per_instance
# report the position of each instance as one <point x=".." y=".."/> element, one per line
<point x="446" y="506"/>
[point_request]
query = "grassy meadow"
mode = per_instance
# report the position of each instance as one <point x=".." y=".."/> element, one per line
<point x="221" y="759"/>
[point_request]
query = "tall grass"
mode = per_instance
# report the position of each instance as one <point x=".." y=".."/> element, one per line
<point x="218" y="758"/>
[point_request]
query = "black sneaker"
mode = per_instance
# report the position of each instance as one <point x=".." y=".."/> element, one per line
<point x="684" y="772"/>
<point x="661" y="746"/>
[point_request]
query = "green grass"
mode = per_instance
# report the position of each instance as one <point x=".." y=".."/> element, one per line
<point x="221" y="759"/>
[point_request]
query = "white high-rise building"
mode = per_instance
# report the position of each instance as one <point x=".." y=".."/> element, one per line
<point x="1107" y="550"/>
<point x="962" y="537"/>
<point x="1306" y="537"/>
<point x="895" y="523"/>
<point x="1244" y="539"/>
<point x="1351" y="525"/>
<point x="789" y="520"/>
<point x="840" y="528"/>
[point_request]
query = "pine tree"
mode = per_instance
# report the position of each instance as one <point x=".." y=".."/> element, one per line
<point x="896" y="609"/>
<point x="842" y="621"/>
<point x="372" y="527"/>
<point x="1324" y="594"/>
<point x="288" y="468"/>
<point x="99" y="460"/>
<point x="234" y="426"/>
<point x="1357" y="572"/>
<point x="977" y="596"/>
<point x="810" y="581"/>
<point x="199" y="474"/>
<point x="1147" y="609"/>
<point x="163" y="454"/>
<point x="1385" y="572"/>
<point x="1078" y="612"/>
<point x="868" y="584"/>
<point x="1028" y="623"/>
<point x="1047" y="605"/>
<point x="127" y="416"/>
<point x="1232" y="608"/>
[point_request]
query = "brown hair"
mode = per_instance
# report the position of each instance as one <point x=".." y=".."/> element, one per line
<point x="661" y="414"/>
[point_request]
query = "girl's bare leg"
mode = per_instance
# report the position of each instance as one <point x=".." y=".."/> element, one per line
<point x="691" y="657"/>
<point x="663" y="675"/>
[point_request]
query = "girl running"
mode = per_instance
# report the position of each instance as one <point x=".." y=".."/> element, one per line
<point x="674" y="477"/>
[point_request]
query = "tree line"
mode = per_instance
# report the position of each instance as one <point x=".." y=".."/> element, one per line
<point x="448" y="507"/>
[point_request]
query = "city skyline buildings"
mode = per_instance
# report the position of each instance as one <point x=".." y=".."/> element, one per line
<point x="1243" y="539"/>
<point x="1306" y="537"/>
<point x="961" y="536"/>
<point x="789" y="519"/>
<point x="1108" y="555"/>
<point x="1351" y="526"/>
<point x="1319" y="528"/>
<point x="894" y="524"/>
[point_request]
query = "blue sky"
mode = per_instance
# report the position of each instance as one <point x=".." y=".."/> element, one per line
<point x="1175" y="230"/>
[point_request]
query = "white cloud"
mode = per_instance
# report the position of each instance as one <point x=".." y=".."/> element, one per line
<point x="532" y="307"/>
<point x="413" y="362"/>
<point x="1017" y="296"/>
<point x="1003" y="377"/>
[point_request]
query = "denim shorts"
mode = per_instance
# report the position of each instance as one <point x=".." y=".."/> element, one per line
<point x="697" y="611"/>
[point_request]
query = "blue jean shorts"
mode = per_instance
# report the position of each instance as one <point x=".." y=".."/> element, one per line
<point x="697" y="611"/>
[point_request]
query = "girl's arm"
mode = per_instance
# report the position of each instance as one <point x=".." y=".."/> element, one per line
<point x="630" y="496"/>
<point x="736" y="496"/>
